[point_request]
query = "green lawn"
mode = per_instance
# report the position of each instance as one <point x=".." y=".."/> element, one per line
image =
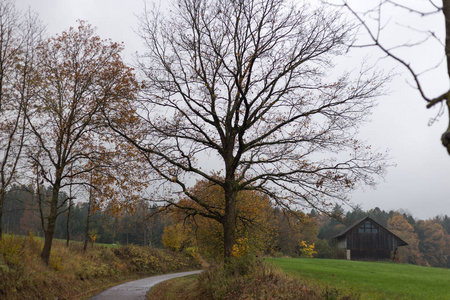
<point x="372" y="280"/>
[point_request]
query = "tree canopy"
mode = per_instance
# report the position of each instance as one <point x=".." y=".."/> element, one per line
<point x="248" y="85"/>
<point x="79" y="79"/>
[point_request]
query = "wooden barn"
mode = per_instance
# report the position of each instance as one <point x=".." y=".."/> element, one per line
<point x="368" y="240"/>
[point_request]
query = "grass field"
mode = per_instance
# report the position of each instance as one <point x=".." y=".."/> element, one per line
<point x="372" y="280"/>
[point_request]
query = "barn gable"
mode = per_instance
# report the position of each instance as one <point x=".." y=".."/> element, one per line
<point x="368" y="240"/>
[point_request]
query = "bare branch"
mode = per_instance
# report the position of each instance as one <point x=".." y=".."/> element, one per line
<point x="245" y="83"/>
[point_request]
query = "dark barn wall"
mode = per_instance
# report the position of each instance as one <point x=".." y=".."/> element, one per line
<point x="370" y="245"/>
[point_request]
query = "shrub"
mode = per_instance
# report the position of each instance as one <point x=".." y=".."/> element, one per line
<point x="252" y="278"/>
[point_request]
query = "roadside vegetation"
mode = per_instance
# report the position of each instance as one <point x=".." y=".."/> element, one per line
<point x="246" y="278"/>
<point x="75" y="274"/>
<point x="303" y="278"/>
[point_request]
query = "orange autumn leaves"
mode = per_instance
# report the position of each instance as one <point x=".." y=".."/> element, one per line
<point x="81" y="86"/>
<point x="84" y="86"/>
<point x="254" y="231"/>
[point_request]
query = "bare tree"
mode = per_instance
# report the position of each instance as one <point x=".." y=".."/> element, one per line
<point x="246" y="86"/>
<point x="375" y="18"/>
<point x="19" y="34"/>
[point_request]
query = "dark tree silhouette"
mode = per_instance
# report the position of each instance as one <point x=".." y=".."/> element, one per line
<point x="243" y="84"/>
<point x="375" y="19"/>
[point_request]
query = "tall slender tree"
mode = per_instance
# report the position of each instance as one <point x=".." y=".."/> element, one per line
<point x="80" y="79"/>
<point x="19" y="34"/>
<point x="243" y="85"/>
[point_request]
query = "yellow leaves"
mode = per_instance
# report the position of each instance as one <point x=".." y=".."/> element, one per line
<point x="176" y="237"/>
<point x="93" y="234"/>
<point x="307" y="250"/>
<point x="240" y="248"/>
<point x="251" y="208"/>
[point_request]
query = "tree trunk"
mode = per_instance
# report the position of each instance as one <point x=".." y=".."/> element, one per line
<point x="51" y="222"/>
<point x="68" y="221"/>
<point x="229" y="221"/>
<point x="446" y="10"/>
<point x="86" y="237"/>
<point x="2" y="201"/>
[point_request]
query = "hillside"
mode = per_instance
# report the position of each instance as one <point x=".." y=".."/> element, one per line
<point x="75" y="274"/>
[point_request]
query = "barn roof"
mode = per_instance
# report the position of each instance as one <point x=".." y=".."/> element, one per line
<point x="357" y="223"/>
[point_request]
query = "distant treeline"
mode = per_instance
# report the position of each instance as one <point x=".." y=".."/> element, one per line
<point x="429" y="240"/>
<point x="21" y="216"/>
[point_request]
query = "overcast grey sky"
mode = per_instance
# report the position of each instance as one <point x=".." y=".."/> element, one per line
<point x="420" y="182"/>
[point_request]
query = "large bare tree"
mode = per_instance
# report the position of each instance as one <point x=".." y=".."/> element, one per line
<point x="19" y="35"/>
<point x="414" y="33"/>
<point x="243" y="94"/>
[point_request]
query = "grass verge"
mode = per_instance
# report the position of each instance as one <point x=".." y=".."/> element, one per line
<point x="75" y="274"/>
<point x="372" y="280"/>
<point x="243" y="278"/>
<point x="186" y="288"/>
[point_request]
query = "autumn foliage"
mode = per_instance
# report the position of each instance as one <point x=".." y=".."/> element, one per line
<point x="434" y="243"/>
<point x="254" y="233"/>
<point x="400" y="227"/>
<point x="80" y="83"/>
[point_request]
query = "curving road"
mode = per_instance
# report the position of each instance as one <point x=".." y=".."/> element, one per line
<point x="136" y="290"/>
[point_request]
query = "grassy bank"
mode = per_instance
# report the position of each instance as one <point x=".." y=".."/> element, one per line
<point x="244" y="279"/>
<point x="73" y="273"/>
<point x="289" y="278"/>
<point x="372" y="280"/>
<point x="182" y="288"/>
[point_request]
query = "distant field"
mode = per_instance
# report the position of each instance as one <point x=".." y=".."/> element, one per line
<point x="372" y="280"/>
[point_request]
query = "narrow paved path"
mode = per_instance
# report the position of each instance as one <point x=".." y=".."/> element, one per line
<point x="136" y="290"/>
